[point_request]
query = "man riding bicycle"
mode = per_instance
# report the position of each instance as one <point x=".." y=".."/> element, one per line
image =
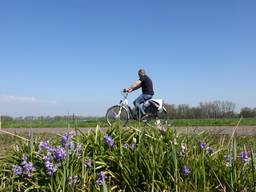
<point x="146" y="84"/>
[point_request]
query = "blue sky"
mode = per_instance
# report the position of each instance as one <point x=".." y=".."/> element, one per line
<point x="62" y="57"/>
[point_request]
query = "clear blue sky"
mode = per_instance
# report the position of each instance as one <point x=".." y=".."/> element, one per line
<point x="60" y="57"/>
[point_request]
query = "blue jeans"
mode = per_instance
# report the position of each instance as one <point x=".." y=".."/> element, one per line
<point x="138" y="103"/>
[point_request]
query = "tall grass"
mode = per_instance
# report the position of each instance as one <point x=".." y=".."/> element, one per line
<point x="134" y="159"/>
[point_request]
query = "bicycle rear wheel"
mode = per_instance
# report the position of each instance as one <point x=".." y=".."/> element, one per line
<point x="117" y="115"/>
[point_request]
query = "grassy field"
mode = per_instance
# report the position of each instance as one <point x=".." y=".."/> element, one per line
<point x="93" y="122"/>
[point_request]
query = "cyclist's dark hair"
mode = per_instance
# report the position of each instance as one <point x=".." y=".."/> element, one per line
<point x="142" y="72"/>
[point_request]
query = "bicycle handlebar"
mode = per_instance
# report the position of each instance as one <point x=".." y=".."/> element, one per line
<point x="125" y="93"/>
<point x="125" y="90"/>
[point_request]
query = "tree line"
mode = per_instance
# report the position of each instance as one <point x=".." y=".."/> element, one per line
<point x="207" y="110"/>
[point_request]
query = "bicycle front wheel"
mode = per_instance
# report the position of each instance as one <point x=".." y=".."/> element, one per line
<point x="117" y="115"/>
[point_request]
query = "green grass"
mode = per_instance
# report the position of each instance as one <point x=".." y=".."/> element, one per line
<point x="101" y="121"/>
<point x="54" y="123"/>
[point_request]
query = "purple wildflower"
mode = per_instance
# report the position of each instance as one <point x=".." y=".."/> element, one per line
<point x="66" y="137"/>
<point x="185" y="170"/>
<point x="244" y="190"/>
<point x="43" y="145"/>
<point x="50" y="167"/>
<point x="244" y="156"/>
<point x="108" y="140"/>
<point x="27" y="169"/>
<point x="72" y="180"/>
<point x="60" y="153"/>
<point x="47" y="157"/>
<point x="51" y="156"/>
<point x="101" y="178"/>
<point x="17" y="169"/>
<point x="88" y="164"/>
<point x="201" y="145"/>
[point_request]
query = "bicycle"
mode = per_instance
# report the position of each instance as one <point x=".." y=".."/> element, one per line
<point x="120" y="114"/>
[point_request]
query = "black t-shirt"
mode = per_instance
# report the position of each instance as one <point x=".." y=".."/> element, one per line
<point x="146" y="85"/>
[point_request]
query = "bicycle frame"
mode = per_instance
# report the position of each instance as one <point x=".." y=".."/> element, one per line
<point x="125" y="104"/>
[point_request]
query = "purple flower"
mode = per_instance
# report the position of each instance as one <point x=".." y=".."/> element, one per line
<point x="126" y="146"/>
<point x="28" y="166"/>
<point x="47" y="157"/>
<point x="72" y="180"/>
<point x="25" y="168"/>
<point x="43" y="145"/>
<point x="244" y="156"/>
<point x="17" y="169"/>
<point x="88" y="163"/>
<point x="50" y="167"/>
<point x="52" y="157"/>
<point x="101" y="179"/>
<point x="185" y="170"/>
<point x="60" y="153"/>
<point x="108" y="140"/>
<point x="201" y="145"/>
<point x="244" y="190"/>
<point x="66" y="137"/>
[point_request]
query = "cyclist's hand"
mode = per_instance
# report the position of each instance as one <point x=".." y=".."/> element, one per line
<point x="129" y="90"/>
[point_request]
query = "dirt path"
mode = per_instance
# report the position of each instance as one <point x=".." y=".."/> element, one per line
<point x="241" y="130"/>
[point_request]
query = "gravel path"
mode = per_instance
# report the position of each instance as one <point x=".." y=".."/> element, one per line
<point x="241" y="130"/>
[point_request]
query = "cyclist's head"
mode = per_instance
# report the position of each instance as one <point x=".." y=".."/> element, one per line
<point x="141" y="72"/>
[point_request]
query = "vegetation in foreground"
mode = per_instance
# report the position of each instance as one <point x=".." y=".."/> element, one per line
<point x="132" y="159"/>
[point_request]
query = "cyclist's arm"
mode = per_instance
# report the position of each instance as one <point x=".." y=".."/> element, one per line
<point x="135" y="85"/>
